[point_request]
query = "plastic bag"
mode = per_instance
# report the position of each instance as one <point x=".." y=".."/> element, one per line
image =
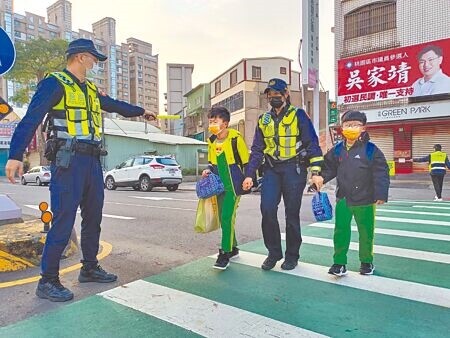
<point x="321" y="207"/>
<point x="207" y="218"/>
<point x="208" y="186"/>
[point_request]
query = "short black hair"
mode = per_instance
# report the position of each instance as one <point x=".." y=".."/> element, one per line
<point x="437" y="147"/>
<point x="220" y="112"/>
<point x="354" y="115"/>
<point x="426" y="49"/>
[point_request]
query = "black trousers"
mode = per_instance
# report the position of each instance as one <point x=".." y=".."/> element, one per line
<point x="438" y="182"/>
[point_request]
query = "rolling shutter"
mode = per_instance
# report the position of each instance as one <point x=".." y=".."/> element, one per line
<point x="383" y="139"/>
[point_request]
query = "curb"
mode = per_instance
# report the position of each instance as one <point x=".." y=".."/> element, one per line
<point x="21" y="245"/>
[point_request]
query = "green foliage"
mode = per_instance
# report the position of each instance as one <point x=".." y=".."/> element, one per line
<point x="34" y="59"/>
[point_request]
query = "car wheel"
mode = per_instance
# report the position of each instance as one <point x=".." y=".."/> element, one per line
<point x="23" y="181"/>
<point x="136" y="188"/>
<point x="110" y="183"/>
<point x="145" y="184"/>
<point x="172" y="187"/>
<point x="38" y="181"/>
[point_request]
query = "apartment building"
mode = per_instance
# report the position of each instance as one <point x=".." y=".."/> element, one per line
<point x="241" y="90"/>
<point x="131" y="71"/>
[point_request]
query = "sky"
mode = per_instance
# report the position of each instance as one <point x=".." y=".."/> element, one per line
<point x="211" y="34"/>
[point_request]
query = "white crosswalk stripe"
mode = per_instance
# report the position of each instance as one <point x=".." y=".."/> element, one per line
<point x="388" y="286"/>
<point x="402" y="233"/>
<point x="200" y="315"/>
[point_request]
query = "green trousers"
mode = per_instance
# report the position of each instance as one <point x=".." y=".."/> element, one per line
<point x="365" y="220"/>
<point x="228" y="203"/>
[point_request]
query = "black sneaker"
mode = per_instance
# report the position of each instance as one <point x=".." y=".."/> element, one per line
<point x="366" y="269"/>
<point x="338" y="270"/>
<point x="234" y="253"/>
<point x="97" y="275"/>
<point x="289" y="264"/>
<point x="269" y="263"/>
<point x="222" y="261"/>
<point x="53" y="290"/>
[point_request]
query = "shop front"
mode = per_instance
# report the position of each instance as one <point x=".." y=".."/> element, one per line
<point x="409" y="132"/>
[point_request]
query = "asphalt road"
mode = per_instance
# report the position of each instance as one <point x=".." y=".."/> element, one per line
<point x="149" y="232"/>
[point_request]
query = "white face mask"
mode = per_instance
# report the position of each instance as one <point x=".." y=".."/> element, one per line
<point x="93" y="72"/>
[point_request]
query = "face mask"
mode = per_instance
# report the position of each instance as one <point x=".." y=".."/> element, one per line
<point x="351" y="134"/>
<point x="214" y="129"/>
<point x="94" y="71"/>
<point x="276" y="101"/>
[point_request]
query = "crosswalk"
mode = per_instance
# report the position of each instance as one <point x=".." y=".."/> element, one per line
<point x="409" y="295"/>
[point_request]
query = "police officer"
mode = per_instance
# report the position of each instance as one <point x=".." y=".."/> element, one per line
<point x="74" y="106"/>
<point x="287" y="142"/>
<point x="438" y="161"/>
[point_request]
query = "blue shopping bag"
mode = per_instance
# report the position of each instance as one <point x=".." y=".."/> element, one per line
<point x="208" y="186"/>
<point x="321" y="207"/>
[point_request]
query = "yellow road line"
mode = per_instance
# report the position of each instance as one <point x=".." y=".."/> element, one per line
<point x="106" y="250"/>
<point x="10" y="262"/>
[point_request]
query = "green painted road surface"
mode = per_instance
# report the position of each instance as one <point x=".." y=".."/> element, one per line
<point x="408" y="296"/>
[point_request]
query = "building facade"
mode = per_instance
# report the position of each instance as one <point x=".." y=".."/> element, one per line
<point x="131" y="71"/>
<point x="179" y="82"/>
<point x="393" y="63"/>
<point x="241" y="90"/>
<point x="198" y="103"/>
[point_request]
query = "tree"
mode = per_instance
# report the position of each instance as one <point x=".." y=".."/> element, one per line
<point x="34" y="59"/>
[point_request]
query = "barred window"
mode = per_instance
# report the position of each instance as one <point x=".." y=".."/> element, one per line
<point x="370" y="19"/>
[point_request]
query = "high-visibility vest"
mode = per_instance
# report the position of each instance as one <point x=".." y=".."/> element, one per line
<point x="78" y="114"/>
<point x="282" y="138"/>
<point x="437" y="160"/>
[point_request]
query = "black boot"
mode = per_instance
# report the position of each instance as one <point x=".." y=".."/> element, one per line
<point x="95" y="274"/>
<point x="53" y="290"/>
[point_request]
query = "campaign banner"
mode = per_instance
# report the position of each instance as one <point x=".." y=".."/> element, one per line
<point x="418" y="70"/>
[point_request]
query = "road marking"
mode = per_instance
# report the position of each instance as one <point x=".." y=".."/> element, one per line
<point x="150" y="206"/>
<point x="35" y="207"/>
<point x="428" y="207"/>
<point x="162" y="198"/>
<point x="106" y="250"/>
<point x="10" y="262"/>
<point x="395" y="211"/>
<point x="418" y="201"/>
<point x="388" y="286"/>
<point x="198" y="314"/>
<point x="411" y="220"/>
<point x="402" y="233"/>
<point x="384" y="250"/>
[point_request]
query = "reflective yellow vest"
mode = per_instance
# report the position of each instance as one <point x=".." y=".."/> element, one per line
<point x="281" y="139"/>
<point x="437" y="160"/>
<point x="77" y="114"/>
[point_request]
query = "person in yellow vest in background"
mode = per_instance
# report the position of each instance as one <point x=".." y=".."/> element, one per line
<point x="286" y="141"/>
<point x="438" y="164"/>
<point x="73" y="147"/>
<point x="227" y="156"/>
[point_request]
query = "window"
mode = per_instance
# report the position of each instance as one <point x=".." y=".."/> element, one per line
<point x="138" y="161"/>
<point x="370" y="19"/>
<point x="233" y="78"/>
<point x="256" y="73"/>
<point x="217" y="87"/>
<point x="282" y="70"/>
<point x="232" y="103"/>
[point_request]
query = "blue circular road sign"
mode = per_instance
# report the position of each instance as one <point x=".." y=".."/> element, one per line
<point x="7" y="52"/>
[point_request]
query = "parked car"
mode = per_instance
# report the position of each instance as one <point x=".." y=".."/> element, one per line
<point x="40" y="175"/>
<point x="145" y="172"/>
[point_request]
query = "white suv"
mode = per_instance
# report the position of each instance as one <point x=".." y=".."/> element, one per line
<point x="144" y="173"/>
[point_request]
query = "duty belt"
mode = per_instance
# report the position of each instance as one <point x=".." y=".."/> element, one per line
<point x="89" y="149"/>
